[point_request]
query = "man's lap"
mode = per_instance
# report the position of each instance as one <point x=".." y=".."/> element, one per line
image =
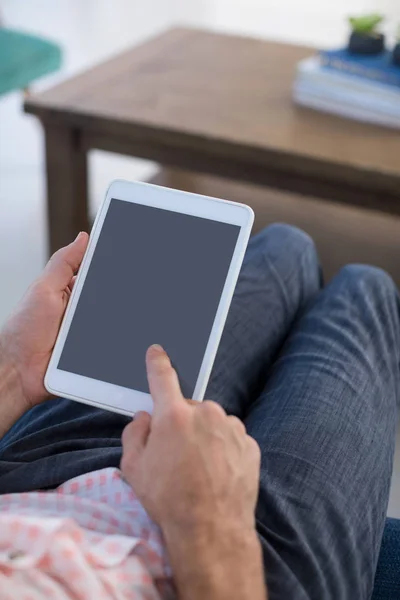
<point x="62" y="439"/>
<point x="309" y="516"/>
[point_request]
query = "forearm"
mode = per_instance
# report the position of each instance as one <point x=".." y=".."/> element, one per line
<point x="12" y="403"/>
<point x="226" y="565"/>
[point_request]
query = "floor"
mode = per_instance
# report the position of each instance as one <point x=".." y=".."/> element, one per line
<point x="92" y="30"/>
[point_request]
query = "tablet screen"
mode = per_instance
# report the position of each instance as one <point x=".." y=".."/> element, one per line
<point x="156" y="277"/>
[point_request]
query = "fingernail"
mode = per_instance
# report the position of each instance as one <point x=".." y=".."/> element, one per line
<point x="156" y="348"/>
<point x="137" y="414"/>
<point x="78" y="236"/>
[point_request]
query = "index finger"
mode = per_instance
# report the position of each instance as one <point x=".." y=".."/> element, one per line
<point x="163" y="380"/>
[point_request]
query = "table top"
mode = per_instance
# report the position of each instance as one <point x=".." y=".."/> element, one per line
<point x="209" y="89"/>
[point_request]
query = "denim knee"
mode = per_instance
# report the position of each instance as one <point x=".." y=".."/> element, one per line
<point x="293" y="247"/>
<point x="291" y="240"/>
<point x="370" y="281"/>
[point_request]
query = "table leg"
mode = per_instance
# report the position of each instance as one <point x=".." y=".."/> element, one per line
<point x="67" y="189"/>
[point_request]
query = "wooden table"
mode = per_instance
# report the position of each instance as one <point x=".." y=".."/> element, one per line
<point x="215" y="104"/>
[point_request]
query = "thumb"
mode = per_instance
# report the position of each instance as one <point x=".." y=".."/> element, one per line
<point x="134" y="436"/>
<point x="65" y="262"/>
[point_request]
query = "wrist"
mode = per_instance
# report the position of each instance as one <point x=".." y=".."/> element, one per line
<point x="199" y="538"/>
<point x="219" y="562"/>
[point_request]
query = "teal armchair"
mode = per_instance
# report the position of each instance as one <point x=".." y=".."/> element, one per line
<point x="24" y="58"/>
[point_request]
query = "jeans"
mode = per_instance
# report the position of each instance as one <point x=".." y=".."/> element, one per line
<point x="314" y="374"/>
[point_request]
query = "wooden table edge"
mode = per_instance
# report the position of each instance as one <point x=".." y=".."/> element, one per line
<point x="148" y="141"/>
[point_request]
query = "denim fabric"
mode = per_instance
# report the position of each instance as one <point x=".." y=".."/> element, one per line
<point x="315" y="376"/>
<point x="387" y="578"/>
<point x="326" y="424"/>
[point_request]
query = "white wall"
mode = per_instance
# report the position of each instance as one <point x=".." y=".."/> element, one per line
<point x="315" y="22"/>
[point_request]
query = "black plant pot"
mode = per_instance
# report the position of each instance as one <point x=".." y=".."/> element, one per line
<point x="396" y="55"/>
<point x="366" y="44"/>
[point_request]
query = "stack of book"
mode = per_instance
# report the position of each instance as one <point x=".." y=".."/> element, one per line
<point x="361" y="88"/>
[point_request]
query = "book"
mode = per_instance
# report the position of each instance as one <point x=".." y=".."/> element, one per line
<point x="378" y="68"/>
<point x="375" y="95"/>
<point x="345" y="110"/>
<point x="346" y="95"/>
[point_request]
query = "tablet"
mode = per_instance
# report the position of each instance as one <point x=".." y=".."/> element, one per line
<point x="160" y="268"/>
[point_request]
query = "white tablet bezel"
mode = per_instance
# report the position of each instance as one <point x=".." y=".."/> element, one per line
<point x="117" y="398"/>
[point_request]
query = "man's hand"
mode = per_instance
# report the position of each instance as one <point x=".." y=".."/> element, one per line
<point x="28" y="337"/>
<point x="196" y="472"/>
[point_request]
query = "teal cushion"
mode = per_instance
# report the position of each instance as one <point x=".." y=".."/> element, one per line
<point x="24" y="58"/>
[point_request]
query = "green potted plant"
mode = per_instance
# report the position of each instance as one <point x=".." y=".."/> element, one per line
<point x="365" y="38"/>
<point x="396" y="51"/>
